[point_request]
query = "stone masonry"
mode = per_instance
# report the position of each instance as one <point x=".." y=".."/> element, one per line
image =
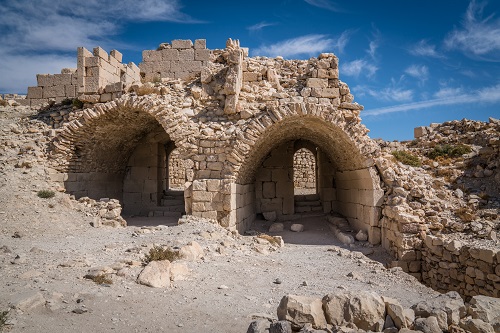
<point x="236" y="124"/>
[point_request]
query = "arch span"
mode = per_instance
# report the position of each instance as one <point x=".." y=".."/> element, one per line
<point x="348" y="182"/>
<point x="119" y="150"/>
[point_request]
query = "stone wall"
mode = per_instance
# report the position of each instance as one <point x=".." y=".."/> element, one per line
<point x="99" y="77"/>
<point x="462" y="266"/>
<point x="179" y="59"/>
<point x="176" y="171"/>
<point x="56" y="87"/>
<point x="102" y="76"/>
<point x="304" y="170"/>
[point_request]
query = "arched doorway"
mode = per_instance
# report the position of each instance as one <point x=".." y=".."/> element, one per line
<point x="347" y="183"/>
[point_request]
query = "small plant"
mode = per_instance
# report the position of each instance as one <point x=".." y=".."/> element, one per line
<point x="161" y="253"/>
<point x="449" y="151"/>
<point x="3" y="102"/>
<point x="407" y="158"/>
<point x="46" y="194"/>
<point x="77" y="103"/>
<point x="465" y="214"/>
<point x="270" y="239"/>
<point x="67" y="101"/>
<point x="4" y="317"/>
<point x="100" y="279"/>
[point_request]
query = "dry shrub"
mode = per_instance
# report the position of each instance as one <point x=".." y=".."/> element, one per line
<point x="465" y="214"/>
<point x="449" y="151"/>
<point x="4" y="316"/>
<point x="146" y="90"/>
<point x="3" y="102"/>
<point x="46" y="194"/>
<point x="158" y="253"/>
<point x="270" y="239"/>
<point x="100" y="279"/>
<point x="407" y="158"/>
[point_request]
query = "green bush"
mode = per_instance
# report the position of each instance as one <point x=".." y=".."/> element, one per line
<point x="161" y="253"/>
<point x="77" y="103"/>
<point x="46" y="194"/>
<point x="4" y="316"/>
<point x="407" y="158"/>
<point x="100" y="279"/>
<point x="449" y="151"/>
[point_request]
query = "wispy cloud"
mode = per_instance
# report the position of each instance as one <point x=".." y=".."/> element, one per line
<point x="447" y="92"/>
<point x="40" y="35"/>
<point x="357" y="67"/>
<point x="392" y="93"/>
<point x="484" y="95"/>
<point x="420" y="72"/>
<point x="424" y="49"/>
<point x="304" y="45"/>
<point x="325" y="4"/>
<point x="259" y="26"/>
<point x="478" y="36"/>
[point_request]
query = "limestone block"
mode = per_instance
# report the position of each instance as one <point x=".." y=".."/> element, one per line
<point x="186" y="55"/>
<point x="300" y="310"/>
<point x="419" y="131"/>
<point x="35" y="92"/>
<point x="317" y="83"/>
<point x="106" y="97"/>
<point x="269" y="190"/>
<point x="99" y="52"/>
<point x="117" y="55"/>
<point x="486" y="255"/>
<point x="200" y="44"/>
<point x="202" y="196"/>
<point x="250" y="76"/>
<point x="38" y="101"/>
<point x="214" y="185"/>
<point x="70" y="91"/>
<point x="169" y="54"/>
<point x="44" y="80"/>
<point x="156" y="274"/>
<point x="202" y="54"/>
<point x="151" y="55"/>
<point x="182" y="44"/>
<point x="325" y="92"/>
<point x="185" y="66"/>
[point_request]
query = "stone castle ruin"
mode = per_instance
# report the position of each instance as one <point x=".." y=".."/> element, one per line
<point x="216" y="134"/>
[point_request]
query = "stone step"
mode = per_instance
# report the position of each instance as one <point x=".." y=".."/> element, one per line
<point x="307" y="203"/>
<point x="174" y="194"/>
<point x="307" y="197"/>
<point x="171" y="202"/>
<point x="156" y="213"/>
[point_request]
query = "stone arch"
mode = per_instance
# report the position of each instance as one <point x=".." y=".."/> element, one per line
<point x="118" y="150"/>
<point x="350" y="182"/>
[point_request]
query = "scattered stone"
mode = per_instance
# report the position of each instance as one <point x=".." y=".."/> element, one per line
<point x="276" y="227"/>
<point x="270" y="216"/>
<point x="361" y="236"/>
<point x="156" y="274"/>
<point x="296" y="227"/>
<point x="259" y="326"/>
<point x="27" y="301"/>
<point x="281" y="326"/>
<point x="300" y="310"/>
<point x="427" y="325"/>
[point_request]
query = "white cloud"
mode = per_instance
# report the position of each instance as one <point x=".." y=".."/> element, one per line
<point x="259" y="26"/>
<point x="357" y="67"/>
<point x="484" y="95"/>
<point x="325" y="4"/>
<point x="420" y="72"/>
<point x="478" y="37"/>
<point x="447" y="92"/>
<point x="395" y="94"/>
<point x="424" y="49"/>
<point x="303" y="45"/>
<point x="42" y="35"/>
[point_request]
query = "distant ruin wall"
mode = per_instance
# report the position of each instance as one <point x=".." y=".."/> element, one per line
<point x="469" y="269"/>
<point x="57" y="87"/>
<point x="180" y="59"/>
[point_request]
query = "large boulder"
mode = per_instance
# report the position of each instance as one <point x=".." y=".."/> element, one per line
<point x="192" y="252"/>
<point x="485" y="308"/>
<point x="364" y="309"/>
<point x="476" y="326"/>
<point x="156" y="274"/>
<point x="447" y="308"/>
<point x="300" y="310"/>
<point x="427" y="325"/>
<point x="402" y="318"/>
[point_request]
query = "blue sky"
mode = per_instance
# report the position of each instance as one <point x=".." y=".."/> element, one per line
<point x="408" y="62"/>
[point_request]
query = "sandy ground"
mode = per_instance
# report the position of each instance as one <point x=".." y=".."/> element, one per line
<point x="47" y="246"/>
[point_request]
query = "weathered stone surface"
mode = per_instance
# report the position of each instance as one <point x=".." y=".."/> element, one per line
<point x="276" y="227"/>
<point x="156" y="274"/>
<point x="281" y="326"/>
<point x="427" y="325"/>
<point x="485" y="308"/>
<point x="259" y="326"/>
<point x="270" y="216"/>
<point x="476" y="326"/>
<point x="193" y="251"/>
<point x="27" y="301"/>
<point x="297" y="227"/>
<point x="447" y="309"/>
<point x="364" y="309"/>
<point x="300" y="310"/>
